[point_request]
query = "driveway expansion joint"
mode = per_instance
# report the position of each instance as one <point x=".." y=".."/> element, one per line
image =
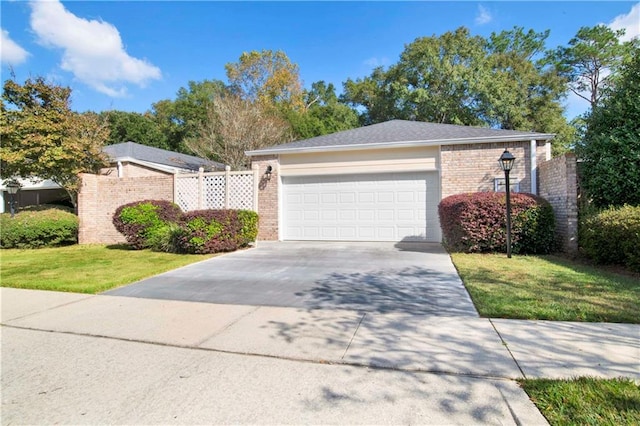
<point x="226" y="327"/>
<point x="353" y="336"/>
<point x="506" y="345"/>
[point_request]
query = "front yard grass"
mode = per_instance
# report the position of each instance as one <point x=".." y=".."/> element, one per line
<point x="586" y="401"/>
<point x="84" y="268"/>
<point x="548" y="288"/>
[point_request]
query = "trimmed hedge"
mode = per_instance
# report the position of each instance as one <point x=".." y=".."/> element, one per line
<point x="140" y="220"/>
<point x="161" y="226"/>
<point x="39" y="226"/>
<point x="476" y="222"/>
<point x="612" y="236"/>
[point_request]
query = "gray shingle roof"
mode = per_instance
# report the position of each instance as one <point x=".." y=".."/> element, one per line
<point x="159" y="156"/>
<point x="402" y="132"/>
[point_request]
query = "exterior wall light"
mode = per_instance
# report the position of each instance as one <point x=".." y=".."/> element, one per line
<point x="506" y="161"/>
<point x="268" y="172"/>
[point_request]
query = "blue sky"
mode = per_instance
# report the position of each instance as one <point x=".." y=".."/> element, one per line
<point x="127" y="55"/>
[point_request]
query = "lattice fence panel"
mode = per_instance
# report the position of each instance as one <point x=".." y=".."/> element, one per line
<point x="187" y="193"/>
<point x="241" y="192"/>
<point x="214" y="187"/>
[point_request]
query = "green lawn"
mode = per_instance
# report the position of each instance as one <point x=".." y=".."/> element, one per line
<point x="84" y="268"/>
<point x="586" y="401"/>
<point x="548" y="288"/>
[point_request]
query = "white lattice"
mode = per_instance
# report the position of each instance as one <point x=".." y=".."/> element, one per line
<point x="187" y="193"/>
<point x="241" y="191"/>
<point x="213" y="196"/>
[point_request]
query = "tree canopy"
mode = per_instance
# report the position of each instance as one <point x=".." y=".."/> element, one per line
<point x="610" y="151"/>
<point x="43" y="139"/>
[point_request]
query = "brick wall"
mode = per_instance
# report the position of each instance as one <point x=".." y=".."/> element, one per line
<point x="559" y="186"/>
<point x="473" y="167"/>
<point x="100" y="196"/>
<point x="267" y="197"/>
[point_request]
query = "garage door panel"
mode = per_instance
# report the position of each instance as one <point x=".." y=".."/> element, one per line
<point x="365" y="207"/>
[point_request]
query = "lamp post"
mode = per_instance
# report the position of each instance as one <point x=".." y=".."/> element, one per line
<point x="506" y="163"/>
<point x="12" y="189"/>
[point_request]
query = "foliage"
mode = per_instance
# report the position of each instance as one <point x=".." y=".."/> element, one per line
<point x="85" y="268"/>
<point x="324" y="113"/>
<point x="235" y="125"/>
<point x="586" y="400"/>
<point x="612" y="236"/>
<point x="456" y="78"/>
<point x="547" y="288"/>
<point x="213" y="231"/>
<point x="162" y="226"/>
<point x="610" y="151"/>
<point x="476" y="222"/>
<point x="179" y="119"/>
<point x="140" y="220"/>
<point x="591" y="60"/>
<point x="267" y="77"/>
<point x="45" y="226"/>
<point x="43" y="139"/>
<point x="135" y="127"/>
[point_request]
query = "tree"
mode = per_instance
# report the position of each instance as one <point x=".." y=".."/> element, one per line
<point x="267" y="77"/>
<point x="43" y="139"/>
<point x="135" y="127"/>
<point x="235" y="125"/>
<point x="179" y="119"/>
<point x="610" y="151"/>
<point x="323" y="114"/>
<point x="591" y="58"/>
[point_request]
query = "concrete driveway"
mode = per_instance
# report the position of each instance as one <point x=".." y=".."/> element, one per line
<point x="414" y="278"/>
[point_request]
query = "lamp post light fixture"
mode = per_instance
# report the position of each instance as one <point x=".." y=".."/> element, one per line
<point x="12" y="189"/>
<point x="506" y="163"/>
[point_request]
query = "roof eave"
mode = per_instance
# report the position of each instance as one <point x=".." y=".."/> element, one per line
<point x="402" y="144"/>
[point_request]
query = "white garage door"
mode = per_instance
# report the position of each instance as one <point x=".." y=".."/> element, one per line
<point x="363" y="207"/>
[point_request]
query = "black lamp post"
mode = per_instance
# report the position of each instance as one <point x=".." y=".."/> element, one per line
<point x="12" y="189"/>
<point x="506" y="163"/>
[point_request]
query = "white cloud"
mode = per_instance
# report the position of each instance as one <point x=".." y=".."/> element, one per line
<point x="483" y="16"/>
<point x="12" y="53"/>
<point x="93" y="50"/>
<point x="629" y="22"/>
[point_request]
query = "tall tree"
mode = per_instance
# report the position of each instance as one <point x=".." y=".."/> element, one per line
<point x="135" y="127"/>
<point x="590" y="60"/>
<point x="610" y="151"/>
<point x="179" y="119"/>
<point x="43" y="139"/>
<point x="268" y="77"/>
<point x="235" y="125"/>
<point x="324" y="113"/>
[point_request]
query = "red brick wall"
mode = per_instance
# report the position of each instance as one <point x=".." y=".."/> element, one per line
<point x="559" y="186"/>
<point x="100" y="196"/>
<point x="267" y="197"/>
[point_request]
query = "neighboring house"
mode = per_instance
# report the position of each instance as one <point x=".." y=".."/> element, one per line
<point x="128" y="159"/>
<point x="383" y="182"/>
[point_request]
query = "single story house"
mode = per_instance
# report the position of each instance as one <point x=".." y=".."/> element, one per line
<point x="128" y="159"/>
<point x="383" y="182"/>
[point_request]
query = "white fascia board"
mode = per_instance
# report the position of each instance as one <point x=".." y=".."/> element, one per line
<point x="404" y="144"/>
<point x="156" y="166"/>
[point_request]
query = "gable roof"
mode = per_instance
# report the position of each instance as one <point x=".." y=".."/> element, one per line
<point x="129" y="151"/>
<point x="402" y="133"/>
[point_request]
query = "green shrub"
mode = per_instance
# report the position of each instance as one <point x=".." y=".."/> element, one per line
<point x="612" y="236"/>
<point x="476" y="222"/>
<point x="141" y="220"/>
<point x="41" y="226"/>
<point x="213" y="231"/>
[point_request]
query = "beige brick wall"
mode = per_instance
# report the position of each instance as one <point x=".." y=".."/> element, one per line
<point x="267" y="197"/>
<point x="100" y="196"/>
<point x="131" y="170"/>
<point x="559" y="186"/>
<point x="474" y="167"/>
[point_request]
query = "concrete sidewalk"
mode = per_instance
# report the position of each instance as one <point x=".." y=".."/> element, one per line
<point x="467" y="353"/>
